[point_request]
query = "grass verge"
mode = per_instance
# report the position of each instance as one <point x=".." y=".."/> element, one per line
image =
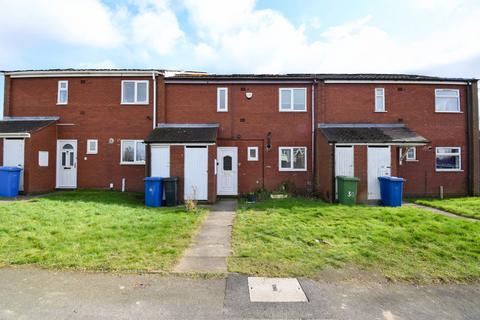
<point x="468" y="206"/>
<point x="94" y="230"/>
<point x="298" y="237"/>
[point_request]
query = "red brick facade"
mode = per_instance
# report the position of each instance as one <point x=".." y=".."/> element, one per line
<point x="94" y="111"/>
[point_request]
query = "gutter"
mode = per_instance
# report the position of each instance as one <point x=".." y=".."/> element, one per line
<point x="15" y="135"/>
<point x="154" y="78"/>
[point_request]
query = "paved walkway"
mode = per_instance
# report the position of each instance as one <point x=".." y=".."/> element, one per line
<point x="438" y="211"/>
<point x="30" y="293"/>
<point x="211" y="246"/>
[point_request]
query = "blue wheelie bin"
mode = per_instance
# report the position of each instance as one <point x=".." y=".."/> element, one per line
<point x="153" y="191"/>
<point x="9" y="181"/>
<point x="391" y="191"/>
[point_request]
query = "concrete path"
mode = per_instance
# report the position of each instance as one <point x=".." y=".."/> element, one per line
<point x="441" y="212"/>
<point x="211" y="246"/>
<point x="29" y="293"/>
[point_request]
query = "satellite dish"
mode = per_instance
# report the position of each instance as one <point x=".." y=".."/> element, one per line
<point x="249" y="95"/>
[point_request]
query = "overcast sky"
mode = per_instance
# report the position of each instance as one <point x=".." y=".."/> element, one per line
<point x="435" y="37"/>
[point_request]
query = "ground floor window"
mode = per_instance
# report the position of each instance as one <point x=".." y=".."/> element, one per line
<point x="292" y="158"/>
<point x="448" y="159"/>
<point x="252" y="153"/>
<point x="132" y="152"/>
<point x="411" y="154"/>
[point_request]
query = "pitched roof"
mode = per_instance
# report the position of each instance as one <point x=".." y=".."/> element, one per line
<point x="183" y="133"/>
<point x="24" y="125"/>
<point x="370" y="133"/>
<point x="314" y="76"/>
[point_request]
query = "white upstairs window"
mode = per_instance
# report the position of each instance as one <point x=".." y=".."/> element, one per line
<point x="92" y="146"/>
<point x="135" y="92"/>
<point x="62" y="95"/>
<point x="132" y="152"/>
<point x="379" y="99"/>
<point x="292" y="99"/>
<point x="447" y="100"/>
<point x="222" y="99"/>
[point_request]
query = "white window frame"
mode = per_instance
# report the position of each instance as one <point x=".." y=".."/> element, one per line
<point x="380" y="92"/>
<point x="136" y="102"/>
<point x="219" y="90"/>
<point x="459" y="154"/>
<point x="457" y="96"/>
<point x="92" y="151"/>
<point x="60" y="89"/>
<point x="291" y="109"/>
<point x="134" y="162"/>
<point x="291" y="168"/>
<point x="250" y="158"/>
<point x="407" y="158"/>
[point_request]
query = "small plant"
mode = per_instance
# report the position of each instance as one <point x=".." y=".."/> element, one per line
<point x="262" y="194"/>
<point x="251" y="197"/>
<point x="191" y="205"/>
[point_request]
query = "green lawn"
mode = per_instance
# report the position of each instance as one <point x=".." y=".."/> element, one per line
<point x="469" y="206"/>
<point x="296" y="237"/>
<point x="94" y="230"/>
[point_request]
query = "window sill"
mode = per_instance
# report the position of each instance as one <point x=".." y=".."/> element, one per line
<point x="292" y="170"/>
<point x="132" y="163"/>
<point x="252" y="159"/>
<point x="91" y="152"/>
<point x="411" y="160"/>
<point x="134" y="103"/>
<point x="380" y="111"/>
<point x="62" y="104"/>
<point x="460" y="112"/>
<point x="292" y="110"/>
<point x="446" y="170"/>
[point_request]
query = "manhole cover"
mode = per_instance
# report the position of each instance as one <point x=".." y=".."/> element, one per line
<point x="275" y="290"/>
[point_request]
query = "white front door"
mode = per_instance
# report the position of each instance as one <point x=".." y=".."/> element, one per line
<point x="196" y="173"/>
<point x="378" y="159"/>
<point x="14" y="155"/>
<point x="67" y="164"/>
<point x="160" y="161"/>
<point x="343" y="163"/>
<point x="227" y="171"/>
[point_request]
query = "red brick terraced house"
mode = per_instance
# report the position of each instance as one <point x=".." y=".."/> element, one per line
<point x="226" y="135"/>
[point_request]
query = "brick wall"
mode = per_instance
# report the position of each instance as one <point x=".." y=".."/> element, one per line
<point x="93" y="112"/>
<point x="413" y="105"/>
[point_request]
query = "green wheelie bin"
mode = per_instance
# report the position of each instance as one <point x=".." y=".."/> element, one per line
<point x="347" y="189"/>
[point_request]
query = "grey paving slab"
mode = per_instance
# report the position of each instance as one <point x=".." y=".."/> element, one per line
<point x="211" y="245"/>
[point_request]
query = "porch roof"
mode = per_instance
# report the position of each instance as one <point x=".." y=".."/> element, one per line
<point x="364" y="133"/>
<point x="183" y="133"/>
<point x="23" y="126"/>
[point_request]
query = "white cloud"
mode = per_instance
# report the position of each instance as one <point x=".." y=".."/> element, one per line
<point x="236" y="36"/>
<point x="80" y="22"/>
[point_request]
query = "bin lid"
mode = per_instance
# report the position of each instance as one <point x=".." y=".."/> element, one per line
<point x="170" y="179"/>
<point x="11" y="169"/>
<point x="346" y="178"/>
<point x="153" y="179"/>
<point x="391" y="178"/>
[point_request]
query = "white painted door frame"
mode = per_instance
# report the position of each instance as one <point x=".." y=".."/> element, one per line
<point x="66" y="165"/>
<point x="14" y="155"/>
<point x="195" y="172"/>
<point x="378" y="164"/>
<point x="344" y="163"/>
<point x="227" y="171"/>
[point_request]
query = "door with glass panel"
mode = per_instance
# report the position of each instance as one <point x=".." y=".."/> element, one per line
<point x="67" y="164"/>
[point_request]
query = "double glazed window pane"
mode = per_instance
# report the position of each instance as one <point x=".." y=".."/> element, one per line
<point x="129" y="92"/>
<point x="222" y="99"/>
<point x="140" y="156"/>
<point x="298" y="99"/>
<point x="447" y="100"/>
<point x="298" y="158"/>
<point x="286" y="158"/>
<point x="448" y="159"/>
<point x="141" y="92"/>
<point x="128" y="154"/>
<point x="286" y="99"/>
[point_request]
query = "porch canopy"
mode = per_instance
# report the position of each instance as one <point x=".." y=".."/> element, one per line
<point x="366" y="133"/>
<point x="22" y="127"/>
<point x="183" y="133"/>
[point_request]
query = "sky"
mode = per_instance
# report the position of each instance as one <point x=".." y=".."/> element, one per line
<point x="434" y="37"/>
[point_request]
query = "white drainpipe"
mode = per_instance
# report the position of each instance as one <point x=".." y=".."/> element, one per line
<point x="154" y="78"/>
<point x="313" y="129"/>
